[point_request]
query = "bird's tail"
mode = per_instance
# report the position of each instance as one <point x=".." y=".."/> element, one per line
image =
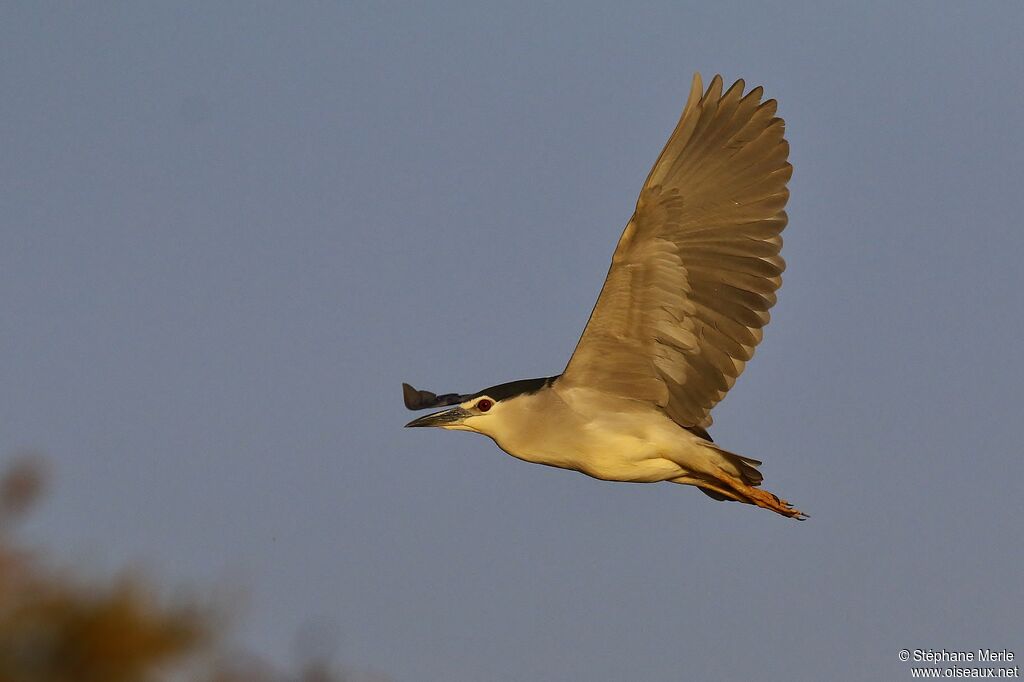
<point x="744" y="468"/>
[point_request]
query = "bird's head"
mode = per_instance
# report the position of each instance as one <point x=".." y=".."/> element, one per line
<point x="485" y="412"/>
<point x="470" y="415"/>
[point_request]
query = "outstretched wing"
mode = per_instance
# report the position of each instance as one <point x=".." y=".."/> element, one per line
<point x="697" y="267"/>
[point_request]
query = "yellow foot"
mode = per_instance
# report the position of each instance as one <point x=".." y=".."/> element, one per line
<point x="762" y="498"/>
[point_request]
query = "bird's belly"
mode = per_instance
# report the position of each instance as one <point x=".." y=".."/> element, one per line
<point x="607" y="456"/>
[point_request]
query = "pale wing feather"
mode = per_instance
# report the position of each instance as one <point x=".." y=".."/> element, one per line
<point x="697" y="267"/>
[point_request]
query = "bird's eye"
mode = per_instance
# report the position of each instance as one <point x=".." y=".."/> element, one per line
<point x="484" y="405"/>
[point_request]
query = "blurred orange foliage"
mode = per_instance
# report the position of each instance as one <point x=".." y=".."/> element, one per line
<point x="54" y="628"/>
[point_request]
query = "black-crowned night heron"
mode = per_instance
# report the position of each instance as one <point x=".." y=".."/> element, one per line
<point x="691" y="282"/>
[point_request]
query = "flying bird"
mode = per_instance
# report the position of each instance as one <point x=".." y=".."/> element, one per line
<point x="684" y="304"/>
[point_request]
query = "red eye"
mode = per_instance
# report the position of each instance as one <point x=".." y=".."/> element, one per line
<point x="484" y="405"/>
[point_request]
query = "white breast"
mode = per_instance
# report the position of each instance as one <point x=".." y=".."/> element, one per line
<point x="584" y="430"/>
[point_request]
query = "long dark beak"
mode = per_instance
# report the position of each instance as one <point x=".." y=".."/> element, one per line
<point x="442" y="418"/>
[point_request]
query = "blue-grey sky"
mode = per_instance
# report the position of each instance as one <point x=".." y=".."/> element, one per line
<point x="230" y="230"/>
